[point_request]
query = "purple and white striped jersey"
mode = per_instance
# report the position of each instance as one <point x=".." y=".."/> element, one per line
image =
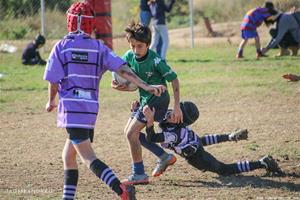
<point x="77" y="64"/>
<point x="178" y="138"/>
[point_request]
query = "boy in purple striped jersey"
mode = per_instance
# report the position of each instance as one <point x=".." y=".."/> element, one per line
<point x="185" y="142"/>
<point x="252" y="20"/>
<point x="74" y="70"/>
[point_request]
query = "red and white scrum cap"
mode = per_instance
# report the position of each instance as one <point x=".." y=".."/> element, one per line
<point x="80" y="17"/>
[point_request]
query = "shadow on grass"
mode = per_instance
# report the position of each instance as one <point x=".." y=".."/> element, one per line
<point x="239" y="181"/>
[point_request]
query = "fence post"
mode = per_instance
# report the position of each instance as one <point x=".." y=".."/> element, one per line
<point x="43" y="17"/>
<point x="191" y="22"/>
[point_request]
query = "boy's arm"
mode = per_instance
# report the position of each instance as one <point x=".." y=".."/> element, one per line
<point x="169" y="6"/>
<point x="283" y="26"/>
<point x="37" y="54"/>
<point x="177" y="113"/>
<point x="169" y="75"/>
<point x="126" y="73"/>
<point x="151" y="136"/>
<point x="52" y="91"/>
<point x="121" y="87"/>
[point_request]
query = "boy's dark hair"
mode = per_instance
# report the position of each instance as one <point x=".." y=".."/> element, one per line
<point x="275" y="15"/>
<point x="269" y="5"/>
<point x="190" y="112"/>
<point x="40" y="39"/>
<point x="138" y="32"/>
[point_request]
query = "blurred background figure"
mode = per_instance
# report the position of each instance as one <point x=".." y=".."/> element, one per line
<point x="286" y="35"/>
<point x="145" y="13"/>
<point x="31" y="55"/>
<point x="159" y="26"/>
<point x="145" y="19"/>
<point x="103" y="21"/>
<point x="252" y="20"/>
<point x="292" y="77"/>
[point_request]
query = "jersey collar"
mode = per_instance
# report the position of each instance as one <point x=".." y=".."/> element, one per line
<point x="142" y="58"/>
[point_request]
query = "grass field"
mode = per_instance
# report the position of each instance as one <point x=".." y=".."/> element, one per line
<point x="230" y="94"/>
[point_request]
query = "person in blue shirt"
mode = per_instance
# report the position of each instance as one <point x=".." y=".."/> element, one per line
<point x="159" y="26"/>
<point x="145" y="19"/>
<point x="286" y="34"/>
<point x="145" y="14"/>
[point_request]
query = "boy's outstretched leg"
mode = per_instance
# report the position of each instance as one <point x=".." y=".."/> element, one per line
<point x="270" y="164"/>
<point x="164" y="159"/>
<point x="102" y="171"/>
<point x="163" y="163"/>
<point x="132" y="132"/>
<point x="70" y="171"/>
<point x="240" y="134"/>
<point x="128" y="192"/>
<point x="203" y="160"/>
<point x="241" y="48"/>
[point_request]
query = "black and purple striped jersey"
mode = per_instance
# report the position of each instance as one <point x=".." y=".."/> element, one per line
<point x="179" y="138"/>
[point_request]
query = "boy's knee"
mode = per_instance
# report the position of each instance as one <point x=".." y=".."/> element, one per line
<point x="132" y="135"/>
<point x="219" y="168"/>
<point x="69" y="160"/>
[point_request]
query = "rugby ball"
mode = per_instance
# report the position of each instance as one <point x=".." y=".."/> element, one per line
<point x="121" y="80"/>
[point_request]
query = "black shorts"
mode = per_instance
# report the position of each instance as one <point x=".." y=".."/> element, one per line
<point x="77" y="135"/>
<point x="160" y="104"/>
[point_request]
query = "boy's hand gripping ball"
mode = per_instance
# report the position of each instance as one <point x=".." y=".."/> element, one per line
<point x="123" y="81"/>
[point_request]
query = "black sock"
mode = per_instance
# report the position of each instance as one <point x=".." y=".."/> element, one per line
<point x="70" y="184"/>
<point x="246" y="166"/>
<point x="214" y="139"/>
<point x="258" y="51"/>
<point x="256" y="165"/>
<point x="102" y="171"/>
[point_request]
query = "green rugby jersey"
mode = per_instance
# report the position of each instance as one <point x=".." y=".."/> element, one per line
<point x="153" y="70"/>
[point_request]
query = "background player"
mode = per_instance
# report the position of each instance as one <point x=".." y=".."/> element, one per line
<point x="31" y="54"/>
<point x="252" y="20"/>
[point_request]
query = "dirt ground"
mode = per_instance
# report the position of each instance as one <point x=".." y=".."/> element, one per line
<point x="31" y="145"/>
<point x="31" y="166"/>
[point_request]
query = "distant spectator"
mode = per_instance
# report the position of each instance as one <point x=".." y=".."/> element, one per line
<point x="145" y="13"/>
<point x="31" y="55"/>
<point x="287" y="32"/>
<point x="145" y="19"/>
<point x="160" y="29"/>
<point x="252" y="20"/>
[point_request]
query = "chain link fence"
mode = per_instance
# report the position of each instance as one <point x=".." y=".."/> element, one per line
<point x="21" y="19"/>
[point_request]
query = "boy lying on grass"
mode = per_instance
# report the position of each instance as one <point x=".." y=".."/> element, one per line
<point x="184" y="141"/>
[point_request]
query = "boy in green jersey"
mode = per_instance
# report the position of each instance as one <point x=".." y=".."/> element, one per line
<point x="149" y="67"/>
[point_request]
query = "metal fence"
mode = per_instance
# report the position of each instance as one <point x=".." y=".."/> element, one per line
<point x="23" y="19"/>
